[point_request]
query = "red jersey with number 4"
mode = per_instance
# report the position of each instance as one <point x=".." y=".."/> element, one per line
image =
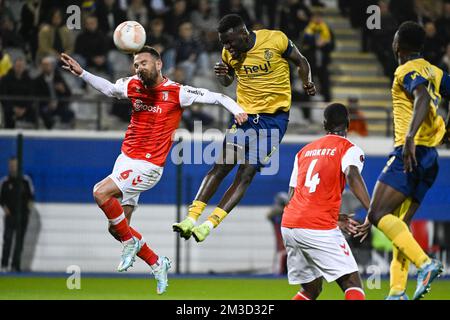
<point x="318" y="178"/>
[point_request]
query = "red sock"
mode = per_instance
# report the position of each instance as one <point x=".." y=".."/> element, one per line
<point x="145" y="253"/>
<point x="114" y="212"/>
<point x="354" y="294"/>
<point x="301" y="296"/>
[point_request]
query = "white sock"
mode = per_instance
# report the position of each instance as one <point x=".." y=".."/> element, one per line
<point x="129" y="241"/>
<point x="209" y="224"/>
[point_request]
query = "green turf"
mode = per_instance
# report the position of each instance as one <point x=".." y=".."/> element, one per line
<point x="182" y="289"/>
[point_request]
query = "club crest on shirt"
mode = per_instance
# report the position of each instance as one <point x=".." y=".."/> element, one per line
<point x="165" y="95"/>
<point x="268" y="54"/>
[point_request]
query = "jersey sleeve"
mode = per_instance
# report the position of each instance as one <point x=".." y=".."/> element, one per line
<point x="190" y="95"/>
<point x="354" y="156"/>
<point x="117" y="90"/>
<point x="283" y="44"/>
<point x="121" y="88"/>
<point x="294" y="174"/>
<point x="411" y="80"/>
<point x="445" y="85"/>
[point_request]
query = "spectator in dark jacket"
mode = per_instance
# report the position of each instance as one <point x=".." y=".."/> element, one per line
<point x="163" y="43"/>
<point x="92" y="46"/>
<point x="175" y="17"/>
<point x="109" y="17"/>
<point x="190" y="55"/>
<point x="432" y="48"/>
<point x="294" y="17"/>
<point x="18" y="113"/>
<point x="50" y="84"/>
<point x="443" y="23"/>
<point x="16" y="200"/>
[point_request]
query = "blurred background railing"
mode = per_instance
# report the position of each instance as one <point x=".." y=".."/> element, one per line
<point x="100" y="113"/>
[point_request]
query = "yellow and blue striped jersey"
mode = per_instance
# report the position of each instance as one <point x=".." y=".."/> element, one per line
<point x="406" y="79"/>
<point x="262" y="73"/>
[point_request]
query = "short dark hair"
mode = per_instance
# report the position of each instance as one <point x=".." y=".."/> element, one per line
<point x="411" y="36"/>
<point x="151" y="50"/>
<point x="230" y="21"/>
<point x="335" y="117"/>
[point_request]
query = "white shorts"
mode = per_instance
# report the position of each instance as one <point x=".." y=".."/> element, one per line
<point x="317" y="253"/>
<point x="133" y="177"/>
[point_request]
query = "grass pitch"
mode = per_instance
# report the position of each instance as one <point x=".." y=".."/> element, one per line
<point x="182" y="288"/>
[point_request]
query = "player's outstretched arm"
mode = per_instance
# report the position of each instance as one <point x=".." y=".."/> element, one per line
<point x="190" y="95"/>
<point x="304" y="70"/>
<point x="99" y="83"/>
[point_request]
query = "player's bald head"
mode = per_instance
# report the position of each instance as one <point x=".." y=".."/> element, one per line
<point x="335" y="117"/>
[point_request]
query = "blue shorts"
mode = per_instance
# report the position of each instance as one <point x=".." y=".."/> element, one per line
<point x="259" y="137"/>
<point x="412" y="184"/>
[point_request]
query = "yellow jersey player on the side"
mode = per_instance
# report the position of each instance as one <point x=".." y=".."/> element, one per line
<point x="413" y="165"/>
<point x="259" y="62"/>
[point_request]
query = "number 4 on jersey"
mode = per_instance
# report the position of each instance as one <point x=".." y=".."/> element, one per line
<point x="311" y="182"/>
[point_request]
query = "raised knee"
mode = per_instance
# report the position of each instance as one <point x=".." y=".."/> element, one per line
<point x="99" y="194"/>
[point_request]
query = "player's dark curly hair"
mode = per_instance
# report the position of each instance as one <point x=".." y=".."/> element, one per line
<point x="411" y="36"/>
<point x="335" y="117"/>
<point x="230" y="21"/>
<point x="150" y="50"/>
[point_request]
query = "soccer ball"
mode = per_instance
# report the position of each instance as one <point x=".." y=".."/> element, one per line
<point x="129" y="36"/>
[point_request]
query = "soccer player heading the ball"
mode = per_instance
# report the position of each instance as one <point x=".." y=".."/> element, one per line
<point x="157" y="107"/>
<point x="259" y="62"/>
<point x="315" y="246"/>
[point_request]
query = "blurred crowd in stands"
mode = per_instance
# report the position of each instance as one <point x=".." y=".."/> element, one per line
<point x="433" y="15"/>
<point x="34" y="32"/>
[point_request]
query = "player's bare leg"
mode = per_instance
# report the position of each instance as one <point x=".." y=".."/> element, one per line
<point x="207" y="189"/>
<point x="310" y="290"/>
<point x="351" y="285"/>
<point x="106" y="193"/>
<point x="231" y="198"/>
<point x="384" y="202"/>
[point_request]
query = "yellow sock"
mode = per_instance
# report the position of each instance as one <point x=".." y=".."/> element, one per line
<point x="399" y="272"/>
<point x="399" y="263"/>
<point x="217" y="216"/>
<point x="196" y="209"/>
<point x="397" y="231"/>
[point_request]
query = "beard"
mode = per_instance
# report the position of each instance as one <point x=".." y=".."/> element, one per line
<point x="149" y="78"/>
